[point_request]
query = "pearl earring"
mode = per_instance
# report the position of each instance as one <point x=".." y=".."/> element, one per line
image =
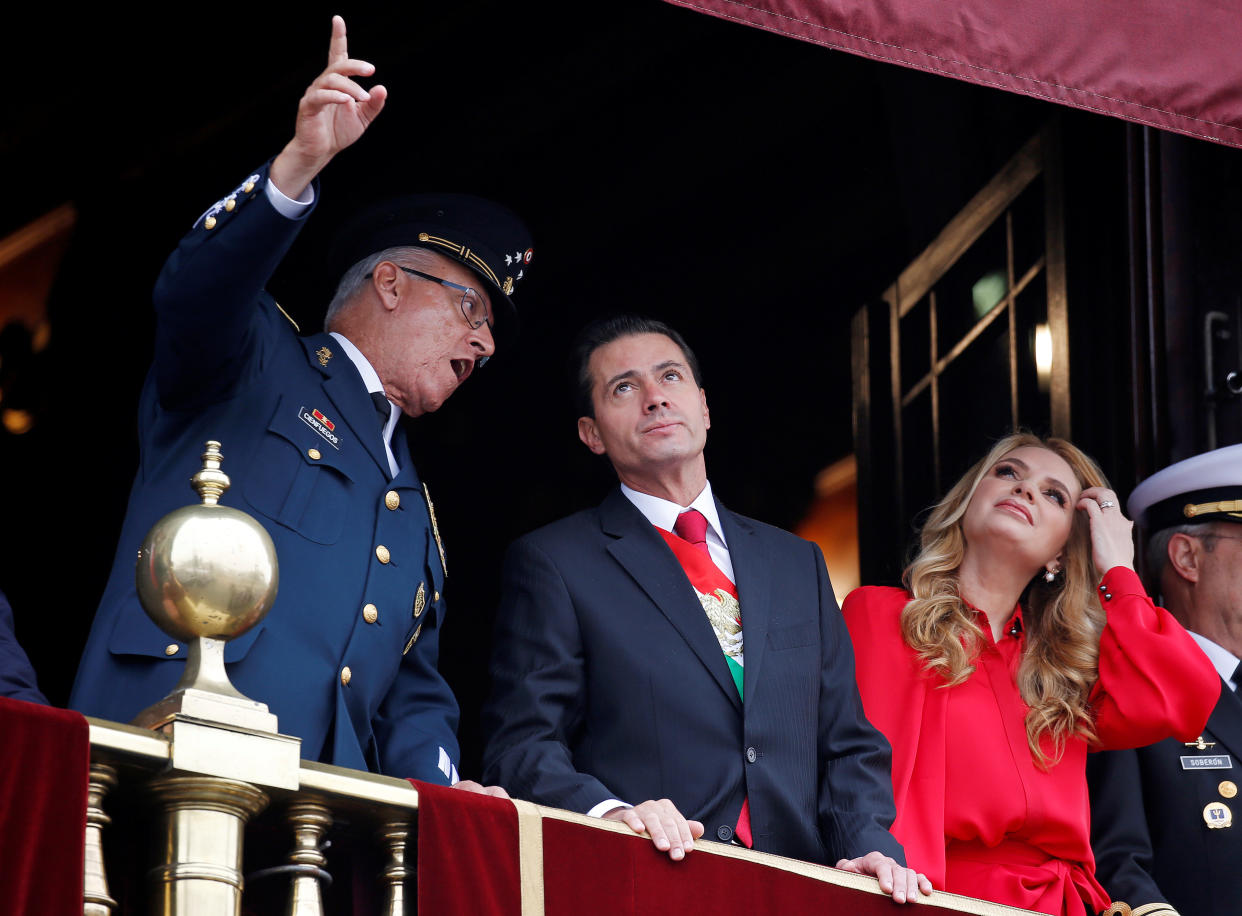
<point x="1049" y="575"/>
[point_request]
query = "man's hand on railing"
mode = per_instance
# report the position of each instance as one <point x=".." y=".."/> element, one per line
<point x="668" y="828"/>
<point x="905" y="884"/>
<point x="470" y="785"/>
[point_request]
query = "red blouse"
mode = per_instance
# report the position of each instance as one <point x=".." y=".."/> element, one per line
<point x="974" y="812"/>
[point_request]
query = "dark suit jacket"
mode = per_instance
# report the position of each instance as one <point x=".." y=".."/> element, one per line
<point x="17" y="677"/>
<point x="1147" y="818"/>
<point x="229" y="366"/>
<point x="609" y="683"/>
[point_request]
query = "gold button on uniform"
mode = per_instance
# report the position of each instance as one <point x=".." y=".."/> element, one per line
<point x="248" y="187"/>
<point x="230" y="204"/>
<point x="1227" y="789"/>
<point x="209" y="223"/>
<point x="391" y="499"/>
<point x="171" y="649"/>
<point x="436" y="599"/>
<point x="370" y="613"/>
<point x="382" y="554"/>
<point x="346" y="674"/>
<point x="314" y="454"/>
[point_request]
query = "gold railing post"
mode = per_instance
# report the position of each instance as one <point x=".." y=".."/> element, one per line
<point x="310" y="821"/>
<point x="203" y="822"/>
<point x="96" y="901"/>
<point x="395" y="835"/>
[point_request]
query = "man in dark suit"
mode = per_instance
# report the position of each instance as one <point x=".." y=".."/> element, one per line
<point x="1163" y="817"/>
<point x="662" y="652"/>
<point x="347" y="656"/>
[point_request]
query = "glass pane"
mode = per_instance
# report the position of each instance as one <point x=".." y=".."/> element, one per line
<point x="1034" y="357"/>
<point x="1028" y="228"/>
<point x="971" y="287"/>
<point x="915" y="330"/>
<point x="974" y="401"/>
<point x="919" y="461"/>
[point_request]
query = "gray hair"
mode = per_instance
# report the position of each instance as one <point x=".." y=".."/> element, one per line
<point x="1158" y="549"/>
<point x="355" y="279"/>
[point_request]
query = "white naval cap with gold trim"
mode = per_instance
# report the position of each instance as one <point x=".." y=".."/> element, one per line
<point x="1205" y="488"/>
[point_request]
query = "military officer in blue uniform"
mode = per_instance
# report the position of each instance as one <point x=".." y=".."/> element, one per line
<point x="1164" y="818"/>
<point x="347" y="657"/>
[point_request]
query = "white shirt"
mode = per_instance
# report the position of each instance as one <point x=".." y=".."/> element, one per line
<point x="371" y="379"/>
<point x="1222" y="659"/>
<point x="663" y="514"/>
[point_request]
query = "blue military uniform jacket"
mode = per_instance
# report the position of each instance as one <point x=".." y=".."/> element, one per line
<point x="347" y="656"/>
<point x="1150" y="813"/>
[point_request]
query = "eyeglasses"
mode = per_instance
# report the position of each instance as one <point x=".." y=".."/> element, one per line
<point x="473" y="308"/>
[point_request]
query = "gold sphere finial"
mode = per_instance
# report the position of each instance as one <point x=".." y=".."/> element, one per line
<point x="211" y="482"/>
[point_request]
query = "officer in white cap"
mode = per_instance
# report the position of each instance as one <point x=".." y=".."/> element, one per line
<point x="1163" y="816"/>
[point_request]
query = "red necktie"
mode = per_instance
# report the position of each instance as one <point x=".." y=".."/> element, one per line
<point x="691" y="526"/>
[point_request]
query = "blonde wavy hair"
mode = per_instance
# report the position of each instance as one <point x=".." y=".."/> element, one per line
<point x="1062" y="619"/>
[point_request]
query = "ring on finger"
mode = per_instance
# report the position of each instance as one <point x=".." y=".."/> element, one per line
<point x="1107" y="504"/>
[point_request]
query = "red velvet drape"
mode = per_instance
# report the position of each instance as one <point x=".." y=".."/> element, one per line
<point x="1170" y="65"/>
<point x="44" y="769"/>
<point x="468" y="864"/>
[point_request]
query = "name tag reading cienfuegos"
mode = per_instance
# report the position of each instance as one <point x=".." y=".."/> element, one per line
<point x="1213" y="762"/>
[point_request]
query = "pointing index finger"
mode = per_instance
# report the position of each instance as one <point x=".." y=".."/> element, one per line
<point x="338" y="47"/>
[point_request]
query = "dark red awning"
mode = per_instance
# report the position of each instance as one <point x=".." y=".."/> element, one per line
<point x="1172" y="64"/>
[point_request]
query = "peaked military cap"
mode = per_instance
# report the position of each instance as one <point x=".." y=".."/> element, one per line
<point x="481" y="234"/>
<point x="1205" y="488"/>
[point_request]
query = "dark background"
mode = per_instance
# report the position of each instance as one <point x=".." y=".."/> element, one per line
<point x="751" y="190"/>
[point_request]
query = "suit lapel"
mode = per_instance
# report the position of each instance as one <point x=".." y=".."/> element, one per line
<point x="1225" y="723"/>
<point x="644" y="555"/>
<point x="343" y="386"/>
<point x="752" y="568"/>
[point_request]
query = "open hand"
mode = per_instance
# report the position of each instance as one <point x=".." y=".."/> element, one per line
<point x="669" y="830"/>
<point x="333" y="113"/>
<point x="904" y="884"/>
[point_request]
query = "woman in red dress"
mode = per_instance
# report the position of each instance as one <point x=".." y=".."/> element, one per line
<point x="1006" y="656"/>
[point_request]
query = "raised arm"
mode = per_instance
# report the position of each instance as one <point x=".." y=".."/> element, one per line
<point x="212" y="313"/>
<point x="333" y="113"/>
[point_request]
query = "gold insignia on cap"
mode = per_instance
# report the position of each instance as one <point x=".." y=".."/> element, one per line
<point x="423" y="236"/>
<point x="507" y="286"/>
<point x="420" y="600"/>
<point x="1217" y="816"/>
<point x="1229" y="506"/>
<point x="413" y="639"/>
<point x="324" y="355"/>
<point x="435" y="529"/>
<point x="1227" y="789"/>
<point x="209" y="222"/>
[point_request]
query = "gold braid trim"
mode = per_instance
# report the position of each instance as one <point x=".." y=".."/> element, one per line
<point x="1120" y="908"/>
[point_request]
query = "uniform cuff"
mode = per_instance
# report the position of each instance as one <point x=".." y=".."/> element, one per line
<point x="287" y="206"/>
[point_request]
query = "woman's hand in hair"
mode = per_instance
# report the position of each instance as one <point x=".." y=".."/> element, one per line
<point x="1112" y="534"/>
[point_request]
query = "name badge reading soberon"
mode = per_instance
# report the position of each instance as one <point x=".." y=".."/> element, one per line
<point x="1207" y="762"/>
